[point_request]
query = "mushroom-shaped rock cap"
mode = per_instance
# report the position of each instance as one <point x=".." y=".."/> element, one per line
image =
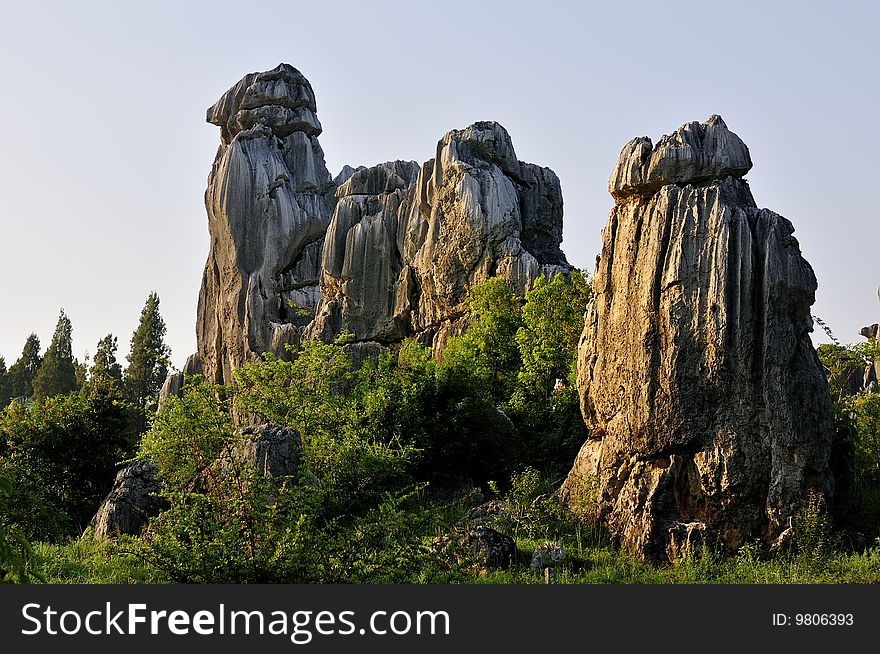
<point x="694" y="153"/>
<point x="281" y="99"/>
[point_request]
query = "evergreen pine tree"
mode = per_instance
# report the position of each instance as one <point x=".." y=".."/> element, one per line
<point x="23" y="371"/>
<point x="57" y="373"/>
<point x="5" y="385"/>
<point x="147" y="360"/>
<point x="104" y="365"/>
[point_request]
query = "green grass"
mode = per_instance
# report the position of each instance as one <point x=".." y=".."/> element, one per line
<point x="823" y="557"/>
<point x="608" y="566"/>
<point x="89" y="561"/>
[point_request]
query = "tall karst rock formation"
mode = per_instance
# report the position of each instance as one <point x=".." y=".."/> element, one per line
<point x="384" y="252"/>
<point x="708" y="410"/>
<point x="269" y="201"/>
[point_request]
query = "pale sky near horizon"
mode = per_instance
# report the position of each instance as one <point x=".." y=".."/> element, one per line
<point x="106" y="150"/>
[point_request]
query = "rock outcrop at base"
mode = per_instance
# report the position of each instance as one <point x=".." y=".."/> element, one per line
<point x="708" y="409"/>
<point x="131" y="503"/>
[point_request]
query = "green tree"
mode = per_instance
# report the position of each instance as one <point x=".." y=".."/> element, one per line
<point x="16" y="556"/>
<point x="147" y="361"/>
<point x="353" y="520"/>
<point x="487" y="349"/>
<point x="104" y="364"/>
<point x="545" y="404"/>
<point x="57" y="373"/>
<point x="23" y="371"/>
<point x="5" y="385"/>
<point x="553" y="319"/>
<point x="866" y="414"/>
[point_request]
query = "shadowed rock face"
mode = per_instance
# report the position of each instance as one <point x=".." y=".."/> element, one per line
<point x="364" y="288"/>
<point x="131" y="502"/>
<point x="708" y="408"/>
<point x="269" y="202"/>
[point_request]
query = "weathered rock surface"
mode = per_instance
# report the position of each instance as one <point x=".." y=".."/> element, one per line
<point x="872" y="370"/>
<point x="175" y="382"/>
<point x="708" y="408"/>
<point x="548" y="555"/>
<point x="478" y="212"/>
<point x="384" y="252"/>
<point x="361" y="282"/>
<point x="269" y="202"/>
<point x="490" y="549"/>
<point x="271" y="450"/>
<point x="131" y="502"/>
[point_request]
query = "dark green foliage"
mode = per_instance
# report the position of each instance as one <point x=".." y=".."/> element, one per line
<point x="488" y="345"/>
<point x="866" y="419"/>
<point x="104" y="364"/>
<point x="147" y="361"/>
<point x="57" y="372"/>
<point x="23" y="371"/>
<point x="545" y="404"/>
<point x="305" y="392"/>
<point x="552" y="322"/>
<point x="16" y="556"/>
<point x="441" y="410"/>
<point x="63" y="452"/>
<point x="5" y="385"/>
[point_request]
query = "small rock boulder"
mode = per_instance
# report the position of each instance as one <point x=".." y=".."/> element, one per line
<point x="494" y="550"/>
<point x="548" y="555"/>
<point x="487" y="513"/>
<point x="490" y="549"/>
<point x="270" y="449"/>
<point x="132" y="501"/>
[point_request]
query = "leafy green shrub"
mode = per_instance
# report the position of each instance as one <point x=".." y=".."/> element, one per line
<point x="16" y="555"/>
<point x="441" y="411"/>
<point x="343" y="520"/>
<point x="813" y="540"/>
<point x="307" y="392"/>
<point x="545" y="404"/>
<point x="62" y="453"/>
<point x="866" y="418"/>
<point x="534" y="510"/>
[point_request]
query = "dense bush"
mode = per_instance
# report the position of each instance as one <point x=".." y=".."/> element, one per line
<point x="15" y="551"/>
<point x="61" y="454"/>
<point x="344" y="519"/>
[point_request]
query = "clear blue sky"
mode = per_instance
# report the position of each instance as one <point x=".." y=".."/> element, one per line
<point x="105" y="150"/>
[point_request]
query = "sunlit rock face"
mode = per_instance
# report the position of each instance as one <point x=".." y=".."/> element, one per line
<point x="708" y="410"/>
<point x="269" y="202"/>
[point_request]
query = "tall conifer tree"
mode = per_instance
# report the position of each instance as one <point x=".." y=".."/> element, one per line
<point x="148" y="359"/>
<point x="57" y="373"/>
<point x="5" y="385"/>
<point x="105" y="365"/>
<point x="24" y="370"/>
